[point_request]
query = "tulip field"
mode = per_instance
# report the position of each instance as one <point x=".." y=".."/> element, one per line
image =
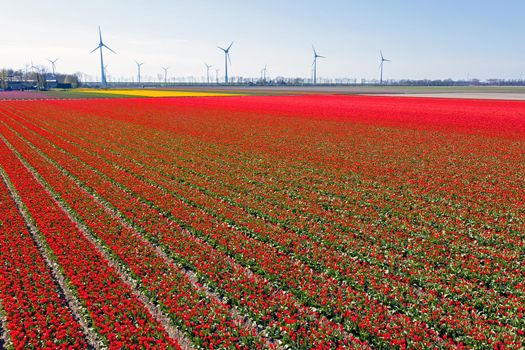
<point x="262" y="222"/>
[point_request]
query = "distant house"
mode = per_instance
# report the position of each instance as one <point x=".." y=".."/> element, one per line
<point x="20" y="85"/>
<point x="64" y="86"/>
<point x="66" y="81"/>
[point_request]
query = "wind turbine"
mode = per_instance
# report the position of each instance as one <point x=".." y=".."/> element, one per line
<point x="138" y="68"/>
<point x="263" y="72"/>
<point x="106" y="71"/>
<point x="165" y="69"/>
<point x="53" y="65"/>
<point x="208" y="66"/>
<point x="383" y="60"/>
<point x="33" y="67"/>
<point x="99" y="47"/>
<point x="226" y="60"/>
<point x="316" y="56"/>
<point x="40" y="76"/>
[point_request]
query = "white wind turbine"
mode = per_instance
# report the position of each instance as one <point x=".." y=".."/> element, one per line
<point x="382" y="60"/>
<point x="139" y="65"/>
<point x="165" y="69"/>
<point x="264" y="71"/>
<point x="227" y="60"/>
<point x="316" y="56"/>
<point x="100" y="46"/>
<point x="53" y="66"/>
<point x="208" y="66"/>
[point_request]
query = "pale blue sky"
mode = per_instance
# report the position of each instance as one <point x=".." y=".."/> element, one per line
<point x="436" y="39"/>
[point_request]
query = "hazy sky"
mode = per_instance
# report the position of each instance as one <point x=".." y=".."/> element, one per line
<point x="435" y="39"/>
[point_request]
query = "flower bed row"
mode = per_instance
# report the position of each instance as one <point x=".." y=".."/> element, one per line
<point x="36" y="312"/>
<point x="111" y="308"/>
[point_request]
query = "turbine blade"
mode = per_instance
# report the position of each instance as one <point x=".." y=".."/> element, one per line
<point x="229" y="58"/>
<point x="381" y="53"/>
<point x="220" y="48"/>
<point x="315" y="52"/>
<point x="321" y="56"/>
<point x="228" y="49"/>
<point x="100" y="34"/>
<point x="107" y="47"/>
<point x="95" y="49"/>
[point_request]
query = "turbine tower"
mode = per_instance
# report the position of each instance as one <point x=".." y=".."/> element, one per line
<point x="383" y="60"/>
<point x="263" y="73"/>
<point x="165" y="69"/>
<point x="138" y="68"/>
<point x="100" y="46"/>
<point x="53" y="67"/>
<point x="316" y="56"/>
<point x="208" y="66"/>
<point x="106" y="71"/>
<point x="33" y="67"/>
<point x="226" y="60"/>
<point x="36" y="76"/>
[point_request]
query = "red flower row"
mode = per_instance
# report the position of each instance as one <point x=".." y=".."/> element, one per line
<point x="114" y="311"/>
<point x="37" y="315"/>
